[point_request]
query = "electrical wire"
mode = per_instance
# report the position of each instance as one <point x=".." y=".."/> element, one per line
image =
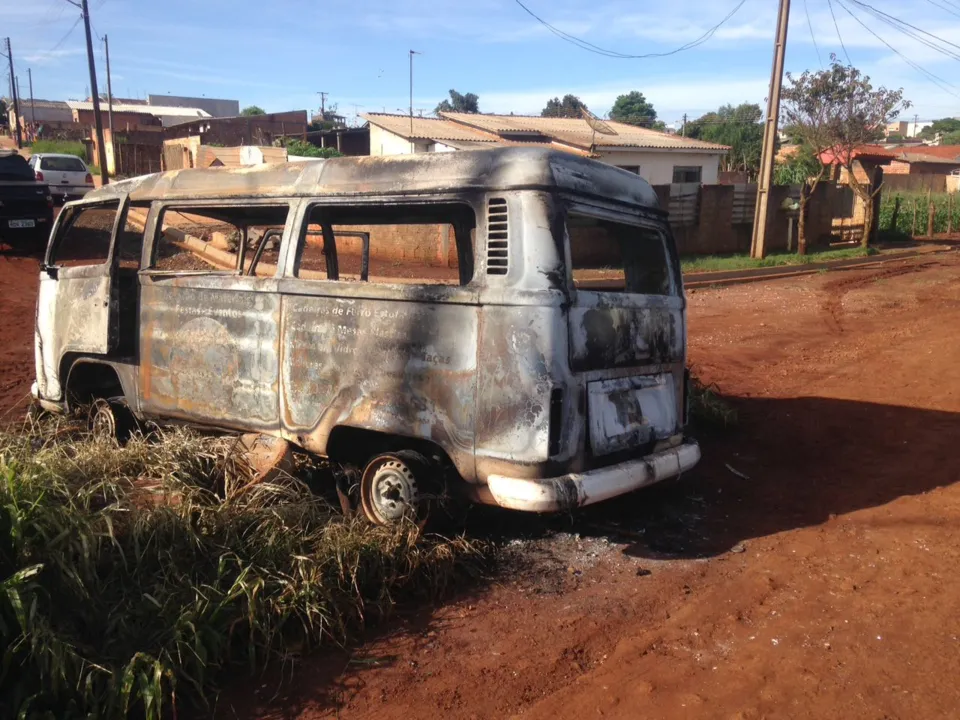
<point x="813" y="37"/>
<point x="64" y="38"/>
<point x="949" y="8"/>
<point x="899" y="24"/>
<point x="937" y="80"/>
<point x="839" y="36"/>
<point x="590" y="47"/>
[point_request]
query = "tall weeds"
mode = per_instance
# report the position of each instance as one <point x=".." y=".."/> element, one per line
<point x="131" y="577"/>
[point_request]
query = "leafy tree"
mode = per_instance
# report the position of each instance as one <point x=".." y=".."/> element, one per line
<point x="569" y="107"/>
<point x="951" y="138"/>
<point x="944" y="126"/>
<point x="797" y="168"/>
<point x="634" y="109"/>
<point x="894" y="138"/>
<point x="3" y="112"/>
<point x="740" y="128"/>
<point x="468" y="103"/>
<point x="253" y="110"/>
<point x="837" y="110"/>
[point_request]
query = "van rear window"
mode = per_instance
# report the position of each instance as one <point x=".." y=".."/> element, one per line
<point x="618" y="257"/>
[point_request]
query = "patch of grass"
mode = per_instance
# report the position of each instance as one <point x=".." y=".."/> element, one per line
<point x="711" y="263"/>
<point x="64" y="147"/>
<point x="708" y="408"/>
<point x="131" y="578"/>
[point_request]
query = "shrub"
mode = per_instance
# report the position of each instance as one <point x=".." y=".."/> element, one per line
<point x="305" y="149"/>
<point x="64" y="147"/>
<point x="131" y="577"/>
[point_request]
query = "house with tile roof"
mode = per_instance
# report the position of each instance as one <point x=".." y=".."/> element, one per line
<point x="655" y="156"/>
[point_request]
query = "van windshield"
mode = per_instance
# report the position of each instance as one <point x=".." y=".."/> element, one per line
<point x="618" y="257"/>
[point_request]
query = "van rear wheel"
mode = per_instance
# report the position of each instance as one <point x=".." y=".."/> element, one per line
<point x="392" y="488"/>
<point x="110" y="420"/>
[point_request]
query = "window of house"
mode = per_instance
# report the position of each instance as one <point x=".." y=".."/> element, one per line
<point x="220" y="239"/>
<point x="687" y="173"/>
<point x="83" y="237"/>
<point x="415" y="244"/>
<point x="635" y="169"/>
<point x="618" y="257"/>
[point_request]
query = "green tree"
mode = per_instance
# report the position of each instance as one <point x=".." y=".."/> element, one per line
<point x="838" y="111"/>
<point x="943" y="126"/>
<point x="468" y="103"/>
<point x="300" y="148"/>
<point x="740" y="128"/>
<point x="798" y="168"/>
<point x="633" y="109"/>
<point x="950" y="138"/>
<point x="253" y="110"/>
<point x="569" y="107"/>
<point x="3" y="112"/>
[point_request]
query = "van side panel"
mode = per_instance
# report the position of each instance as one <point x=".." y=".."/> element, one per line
<point x="404" y="368"/>
<point x="208" y="350"/>
<point x="523" y="363"/>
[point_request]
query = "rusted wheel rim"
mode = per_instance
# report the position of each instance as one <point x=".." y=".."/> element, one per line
<point x="103" y="421"/>
<point x="388" y="490"/>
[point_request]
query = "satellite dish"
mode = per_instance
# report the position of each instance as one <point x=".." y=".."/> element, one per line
<point x="596" y="123"/>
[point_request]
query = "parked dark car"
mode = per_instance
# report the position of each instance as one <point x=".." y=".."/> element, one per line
<point x="26" y="205"/>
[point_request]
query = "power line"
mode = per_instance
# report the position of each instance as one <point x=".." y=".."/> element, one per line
<point x="813" y="37"/>
<point x="839" y="36"/>
<point x="949" y="8"/>
<point x="940" y="82"/>
<point x="590" y="47"/>
<point x="64" y="38"/>
<point x="899" y="24"/>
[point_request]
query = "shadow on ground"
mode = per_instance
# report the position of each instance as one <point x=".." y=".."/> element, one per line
<point x="788" y="464"/>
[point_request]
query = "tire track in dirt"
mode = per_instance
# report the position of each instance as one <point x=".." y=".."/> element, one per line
<point x="831" y="306"/>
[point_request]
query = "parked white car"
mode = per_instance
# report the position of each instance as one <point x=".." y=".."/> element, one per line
<point x="66" y="175"/>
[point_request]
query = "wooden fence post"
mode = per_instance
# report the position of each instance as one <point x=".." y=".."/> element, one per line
<point x="949" y="213"/>
<point x="895" y="215"/>
<point x="931" y="211"/>
<point x="913" y="232"/>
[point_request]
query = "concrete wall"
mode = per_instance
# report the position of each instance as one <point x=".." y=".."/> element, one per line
<point x="384" y="142"/>
<point x="656" y="167"/>
<point x="215" y="106"/>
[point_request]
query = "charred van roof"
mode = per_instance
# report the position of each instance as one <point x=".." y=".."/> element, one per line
<point x="511" y="168"/>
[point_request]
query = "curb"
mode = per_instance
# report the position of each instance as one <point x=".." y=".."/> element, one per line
<point x="723" y="278"/>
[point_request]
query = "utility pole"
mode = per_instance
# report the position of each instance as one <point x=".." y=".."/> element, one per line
<point x="758" y="246"/>
<point x="683" y="128"/>
<point x="916" y="119"/>
<point x="33" y="110"/>
<point x="13" y="91"/>
<point x="98" y="123"/>
<point x="106" y="48"/>
<point x="412" y="53"/>
<point x="323" y="105"/>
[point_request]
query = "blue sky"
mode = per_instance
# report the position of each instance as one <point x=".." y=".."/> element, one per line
<point x="279" y="54"/>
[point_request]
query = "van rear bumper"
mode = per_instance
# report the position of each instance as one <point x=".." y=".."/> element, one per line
<point x="577" y="489"/>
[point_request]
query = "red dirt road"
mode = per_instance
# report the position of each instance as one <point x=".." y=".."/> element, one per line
<point x="825" y="585"/>
<point x="822" y="584"/>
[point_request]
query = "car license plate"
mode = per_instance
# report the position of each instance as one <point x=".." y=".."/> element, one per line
<point x="21" y="223"/>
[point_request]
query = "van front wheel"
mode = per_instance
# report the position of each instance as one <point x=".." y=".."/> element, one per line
<point x="392" y="488"/>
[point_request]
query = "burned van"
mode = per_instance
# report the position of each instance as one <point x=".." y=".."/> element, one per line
<point x="512" y="319"/>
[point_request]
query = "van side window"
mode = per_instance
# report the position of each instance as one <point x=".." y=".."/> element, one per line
<point x="84" y="236"/>
<point x="618" y="257"/>
<point x="410" y="244"/>
<point x="220" y="239"/>
<point x="130" y="239"/>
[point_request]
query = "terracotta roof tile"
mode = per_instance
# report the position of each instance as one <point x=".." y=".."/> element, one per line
<point x="575" y="131"/>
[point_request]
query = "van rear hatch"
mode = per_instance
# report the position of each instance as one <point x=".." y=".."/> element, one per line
<point x="627" y="332"/>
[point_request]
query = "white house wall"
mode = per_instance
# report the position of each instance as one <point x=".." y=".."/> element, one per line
<point x="657" y="167"/>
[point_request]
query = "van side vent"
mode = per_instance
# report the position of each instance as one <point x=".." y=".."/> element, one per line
<point x="497" y="237"/>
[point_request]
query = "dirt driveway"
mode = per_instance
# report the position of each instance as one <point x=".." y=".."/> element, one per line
<point x="822" y="584"/>
<point x="808" y="567"/>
